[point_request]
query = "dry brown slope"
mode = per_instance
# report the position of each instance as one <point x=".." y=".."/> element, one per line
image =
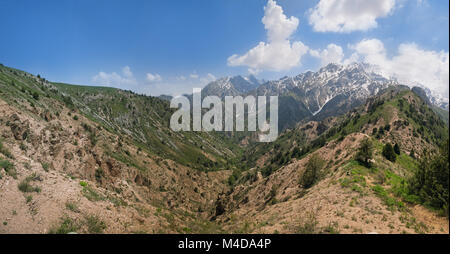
<point x="142" y="193"/>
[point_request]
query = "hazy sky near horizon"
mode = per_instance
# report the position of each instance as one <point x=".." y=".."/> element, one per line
<point x="170" y="46"/>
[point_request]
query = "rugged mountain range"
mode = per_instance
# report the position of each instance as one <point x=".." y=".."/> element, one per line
<point x="231" y="86"/>
<point x="96" y="159"/>
<point x="435" y="98"/>
<point x="331" y="91"/>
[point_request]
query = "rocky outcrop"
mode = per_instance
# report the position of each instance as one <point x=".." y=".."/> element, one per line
<point x="19" y="129"/>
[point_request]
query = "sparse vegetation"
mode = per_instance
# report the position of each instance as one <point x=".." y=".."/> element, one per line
<point x="271" y="198"/>
<point x="91" y="224"/>
<point x="99" y="174"/>
<point x="67" y="225"/>
<point x="94" y="224"/>
<point x="309" y="225"/>
<point x="391" y="202"/>
<point x="72" y="206"/>
<point x="23" y="147"/>
<point x="9" y="168"/>
<point x="91" y="194"/>
<point x="25" y="186"/>
<point x="331" y="228"/>
<point x="5" y="151"/>
<point x="45" y="166"/>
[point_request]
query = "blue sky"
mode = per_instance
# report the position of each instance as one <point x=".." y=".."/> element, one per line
<point x="170" y="46"/>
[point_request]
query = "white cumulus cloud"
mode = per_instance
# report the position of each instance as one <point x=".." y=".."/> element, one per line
<point x="410" y="65"/>
<point x="153" y="77"/>
<point x="114" y="79"/>
<point x="348" y="15"/>
<point x="279" y="53"/>
<point x="332" y="54"/>
<point x="278" y="26"/>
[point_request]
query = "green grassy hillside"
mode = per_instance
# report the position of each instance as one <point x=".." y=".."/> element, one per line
<point x="144" y="119"/>
<point x="396" y="115"/>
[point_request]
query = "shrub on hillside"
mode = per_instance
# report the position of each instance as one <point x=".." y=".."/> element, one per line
<point x="412" y="154"/>
<point x="9" y="168"/>
<point x="35" y="96"/>
<point x="388" y="152"/>
<point x="365" y="152"/>
<point x="296" y="152"/>
<point x="397" y="149"/>
<point x="5" y="151"/>
<point x="311" y="174"/>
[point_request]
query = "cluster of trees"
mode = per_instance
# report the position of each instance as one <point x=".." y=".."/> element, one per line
<point x="380" y="132"/>
<point x="430" y="182"/>
<point x="390" y="152"/>
<point x="365" y="152"/>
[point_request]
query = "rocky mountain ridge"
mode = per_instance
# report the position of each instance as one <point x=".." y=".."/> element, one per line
<point x="330" y="91"/>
